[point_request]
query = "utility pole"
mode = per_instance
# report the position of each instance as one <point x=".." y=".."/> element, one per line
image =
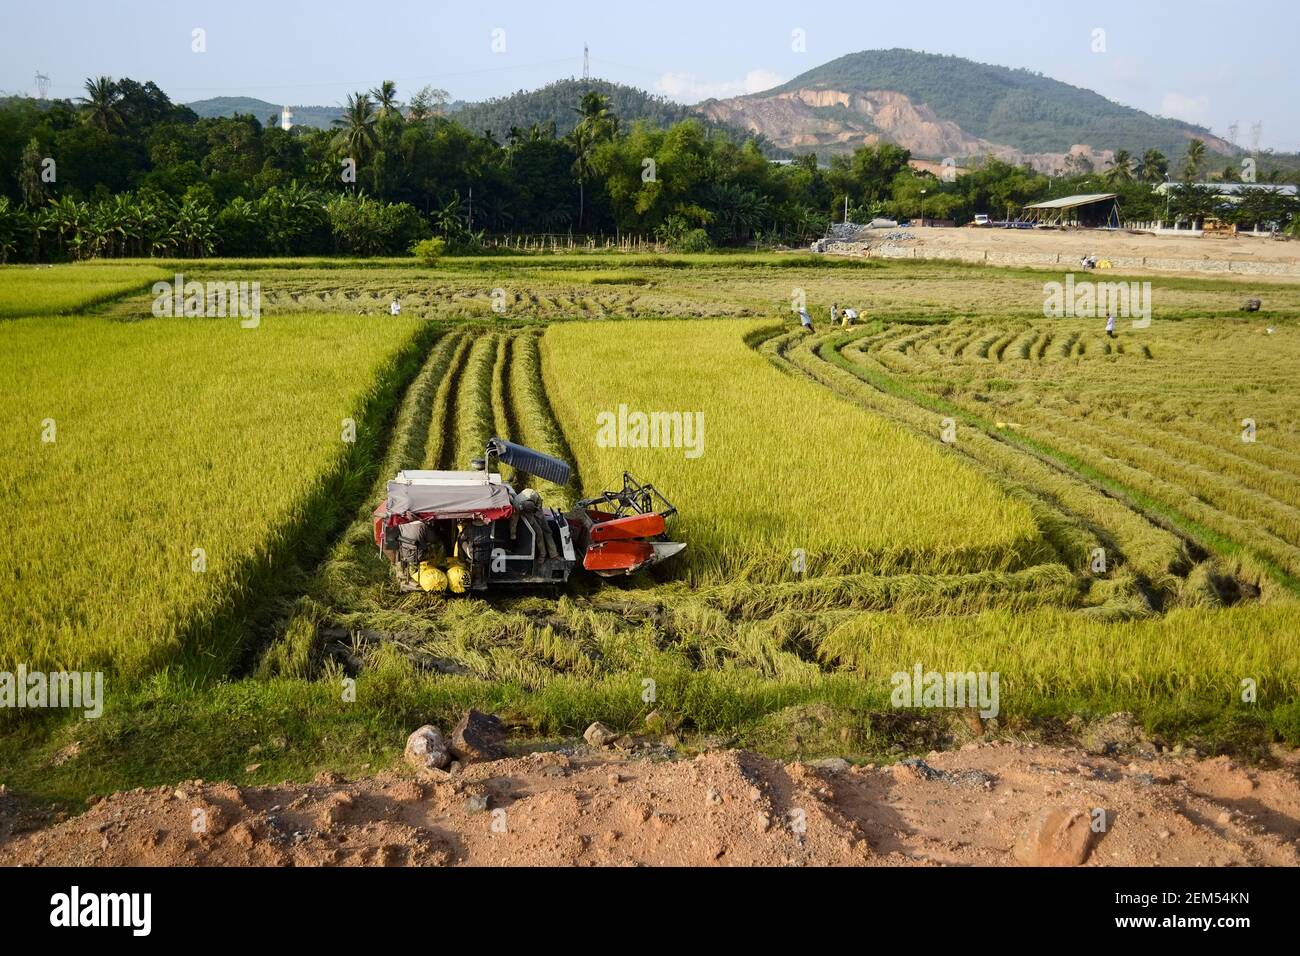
<point x="586" y="65"/>
<point x="42" y="85"/>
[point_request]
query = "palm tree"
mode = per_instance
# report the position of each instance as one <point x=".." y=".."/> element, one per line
<point x="596" y="125"/>
<point x="1121" y="170"/>
<point x="100" y="102"/>
<point x="1195" y="156"/>
<point x="1154" y="166"/>
<point x="385" y="95"/>
<point x="356" y="136"/>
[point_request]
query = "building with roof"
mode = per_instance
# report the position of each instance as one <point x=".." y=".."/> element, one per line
<point x="1232" y="190"/>
<point x="1085" y="209"/>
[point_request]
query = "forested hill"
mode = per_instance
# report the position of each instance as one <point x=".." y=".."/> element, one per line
<point x="317" y="117"/>
<point x="1020" y="108"/>
<point x="556" y="102"/>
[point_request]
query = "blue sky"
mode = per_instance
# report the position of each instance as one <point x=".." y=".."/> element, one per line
<point x="1195" y="60"/>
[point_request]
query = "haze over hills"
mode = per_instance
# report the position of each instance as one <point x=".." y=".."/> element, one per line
<point x="940" y="106"/>
<point x="934" y="105"/>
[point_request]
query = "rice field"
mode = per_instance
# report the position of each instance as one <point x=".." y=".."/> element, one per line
<point x="60" y="289"/>
<point x="834" y="535"/>
<point x="777" y="464"/>
<point x="155" y="471"/>
<point x="1196" y="419"/>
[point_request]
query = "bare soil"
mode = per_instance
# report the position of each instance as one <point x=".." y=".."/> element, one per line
<point x="1072" y="244"/>
<point x="987" y="804"/>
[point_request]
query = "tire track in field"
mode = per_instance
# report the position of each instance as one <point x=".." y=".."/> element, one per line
<point x="440" y="450"/>
<point x="503" y="412"/>
<point x="532" y="413"/>
<point x="414" y="418"/>
<point x="473" y="420"/>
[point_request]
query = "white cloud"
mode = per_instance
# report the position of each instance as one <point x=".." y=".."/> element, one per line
<point x="1192" y="109"/>
<point x="688" y="88"/>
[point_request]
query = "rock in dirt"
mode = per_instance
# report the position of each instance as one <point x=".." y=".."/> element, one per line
<point x="598" y="735"/>
<point x="1060" y="836"/>
<point x="831" y="764"/>
<point x="917" y="768"/>
<point x="478" y="736"/>
<point x="426" y="749"/>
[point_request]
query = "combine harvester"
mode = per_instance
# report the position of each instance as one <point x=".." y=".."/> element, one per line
<point x="464" y="531"/>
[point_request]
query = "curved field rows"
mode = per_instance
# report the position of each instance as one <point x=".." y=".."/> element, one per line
<point x="1161" y="410"/>
<point x="1076" y="517"/>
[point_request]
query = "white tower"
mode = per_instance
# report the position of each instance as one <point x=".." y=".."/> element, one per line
<point x="286" y="118"/>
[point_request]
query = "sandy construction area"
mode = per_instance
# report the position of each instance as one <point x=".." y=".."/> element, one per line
<point x="1239" y="257"/>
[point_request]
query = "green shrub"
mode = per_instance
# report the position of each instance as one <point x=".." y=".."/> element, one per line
<point x="695" y="240"/>
<point x="429" y="251"/>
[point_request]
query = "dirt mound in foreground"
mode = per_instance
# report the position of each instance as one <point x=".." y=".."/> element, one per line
<point x="989" y="804"/>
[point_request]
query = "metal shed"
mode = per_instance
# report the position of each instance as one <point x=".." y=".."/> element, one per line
<point x="1086" y="209"/>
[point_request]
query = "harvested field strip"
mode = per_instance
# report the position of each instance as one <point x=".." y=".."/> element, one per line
<point x="415" y="417"/>
<point x="474" y="416"/>
<point x="1111" y="448"/>
<point x="1223" y="533"/>
<point x="1075" y="516"/>
<point x="1248" y="477"/>
<point x="502" y="413"/>
<point x="1044" y="585"/>
<point x="1227" y="528"/>
<point x="1042" y="654"/>
<point x="534" y="419"/>
<point x="1273" y="462"/>
<point x="936" y="515"/>
<point x="1063" y="655"/>
<point x="440" y="453"/>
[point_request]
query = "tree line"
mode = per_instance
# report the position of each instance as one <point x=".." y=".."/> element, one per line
<point x="125" y="172"/>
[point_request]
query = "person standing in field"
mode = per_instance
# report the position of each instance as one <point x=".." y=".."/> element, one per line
<point x="805" y="319"/>
<point x="835" y="313"/>
<point x="1110" y="325"/>
<point x="850" y="316"/>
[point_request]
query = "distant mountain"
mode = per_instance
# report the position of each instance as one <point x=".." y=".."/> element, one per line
<point x="554" y="102"/>
<point x="558" y="101"/>
<point x="946" y="106"/>
<point x="319" y="117"/>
